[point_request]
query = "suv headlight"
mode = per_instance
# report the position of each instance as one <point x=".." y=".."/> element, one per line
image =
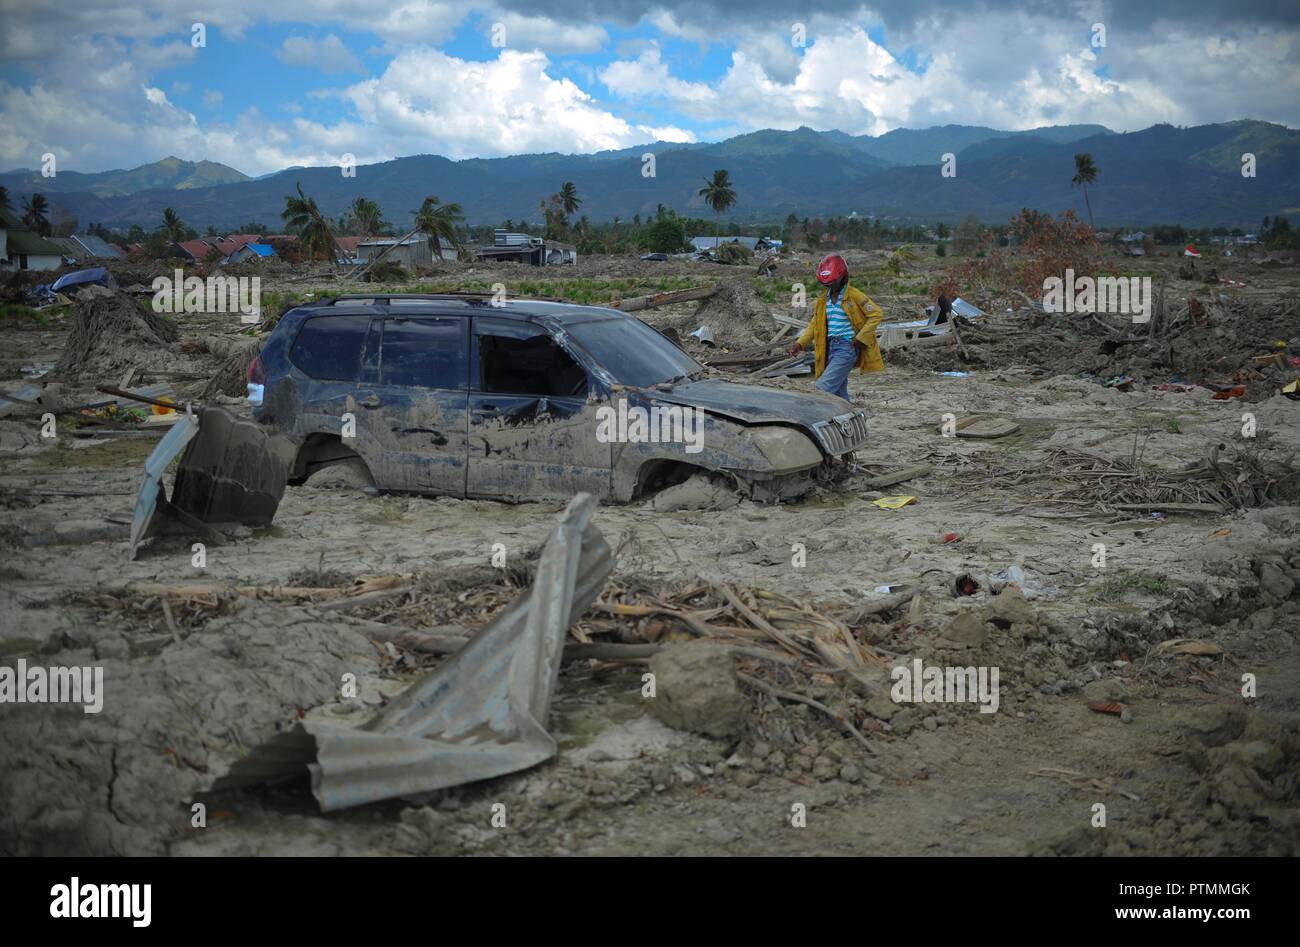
<point x="785" y="448"/>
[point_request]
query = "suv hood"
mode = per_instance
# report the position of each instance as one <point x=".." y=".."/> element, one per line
<point x="753" y="404"/>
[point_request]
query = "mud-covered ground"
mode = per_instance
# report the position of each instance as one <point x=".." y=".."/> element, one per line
<point x="1187" y="612"/>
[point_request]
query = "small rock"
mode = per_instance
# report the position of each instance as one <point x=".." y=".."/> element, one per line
<point x="967" y="629"/>
<point x="761" y="750"/>
<point x="1009" y="606"/>
<point x="697" y="689"/>
<point x="824" y="768"/>
<point x="1215" y="725"/>
<point x="1126" y="716"/>
<point x="1263" y="619"/>
<point x="1108" y="688"/>
<point x="881" y="706"/>
<point x="747" y="780"/>
<point x="112" y="647"/>
<point x="1275" y="582"/>
<point x="930" y="723"/>
<point x="850" y="773"/>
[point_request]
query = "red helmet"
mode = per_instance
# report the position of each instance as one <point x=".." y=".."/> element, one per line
<point x="831" y="270"/>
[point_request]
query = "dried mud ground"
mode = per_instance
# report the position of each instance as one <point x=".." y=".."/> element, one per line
<point x="1198" y="770"/>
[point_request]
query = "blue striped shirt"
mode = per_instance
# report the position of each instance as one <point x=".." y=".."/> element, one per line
<point x="838" y="325"/>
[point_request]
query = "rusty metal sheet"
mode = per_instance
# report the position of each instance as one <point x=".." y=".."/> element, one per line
<point x="480" y="714"/>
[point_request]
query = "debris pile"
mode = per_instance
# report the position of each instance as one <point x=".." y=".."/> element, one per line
<point x="734" y="312"/>
<point x="231" y="376"/>
<point x="112" y="331"/>
<point x="1127" y="485"/>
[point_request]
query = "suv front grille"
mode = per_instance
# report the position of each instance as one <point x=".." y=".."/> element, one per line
<point x="842" y="433"/>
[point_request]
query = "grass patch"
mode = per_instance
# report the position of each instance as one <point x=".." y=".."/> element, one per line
<point x="18" y="314"/>
<point x="1114" y="587"/>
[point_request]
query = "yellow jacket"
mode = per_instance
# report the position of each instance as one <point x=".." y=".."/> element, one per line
<point x="865" y="316"/>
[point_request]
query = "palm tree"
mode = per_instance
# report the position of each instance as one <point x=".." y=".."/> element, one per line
<point x="314" y="235"/>
<point x="569" y="198"/>
<point x="34" y="210"/>
<point x="718" y="194"/>
<point x="173" y="227"/>
<point x="439" y="221"/>
<point x="4" y="201"/>
<point x="1085" y="173"/>
<point x="366" y="217"/>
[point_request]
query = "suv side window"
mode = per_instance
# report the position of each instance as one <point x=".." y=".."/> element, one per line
<point x="328" y="348"/>
<point x="522" y="359"/>
<point x="427" y="352"/>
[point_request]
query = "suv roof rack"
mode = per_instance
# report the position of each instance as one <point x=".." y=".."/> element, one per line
<point x="433" y="297"/>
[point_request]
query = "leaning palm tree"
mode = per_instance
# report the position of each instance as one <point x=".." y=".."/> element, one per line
<point x="439" y="221"/>
<point x="1085" y="173"/>
<point x="314" y="234"/>
<point x="569" y="198"/>
<point x="173" y="228"/>
<point x="35" y="209"/>
<point x="718" y="194"/>
<point x="366" y="217"/>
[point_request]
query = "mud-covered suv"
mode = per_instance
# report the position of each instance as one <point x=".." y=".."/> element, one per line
<point x="462" y="397"/>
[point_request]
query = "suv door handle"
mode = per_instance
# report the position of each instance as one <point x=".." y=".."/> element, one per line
<point x="370" y="401"/>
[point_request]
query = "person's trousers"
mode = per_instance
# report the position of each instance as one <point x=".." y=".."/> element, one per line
<point x="841" y="356"/>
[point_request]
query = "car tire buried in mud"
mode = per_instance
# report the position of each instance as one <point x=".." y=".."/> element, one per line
<point x="351" y="473"/>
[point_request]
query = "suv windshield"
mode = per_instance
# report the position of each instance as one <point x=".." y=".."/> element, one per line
<point x="632" y="352"/>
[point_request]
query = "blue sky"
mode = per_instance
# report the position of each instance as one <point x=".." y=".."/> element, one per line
<point x="309" y="82"/>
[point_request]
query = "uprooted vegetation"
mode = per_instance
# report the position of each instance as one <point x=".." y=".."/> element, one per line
<point x="111" y="331"/>
<point x="1048" y="247"/>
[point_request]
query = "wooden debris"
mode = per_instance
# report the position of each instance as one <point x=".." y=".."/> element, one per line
<point x="1193" y="646"/>
<point x="637" y="303"/>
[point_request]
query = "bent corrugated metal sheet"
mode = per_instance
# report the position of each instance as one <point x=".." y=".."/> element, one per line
<point x="480" y="714"/>
<point x="151" y="486"/>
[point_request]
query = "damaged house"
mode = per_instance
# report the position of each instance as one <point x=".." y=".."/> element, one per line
<point x="83" y="247"/>
<point x="409" y="252"/>
<point x="23" y="248"/>
<point x="525" y="248"/>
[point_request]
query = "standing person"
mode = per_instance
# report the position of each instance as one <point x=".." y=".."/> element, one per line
<point x="842" y="329"/>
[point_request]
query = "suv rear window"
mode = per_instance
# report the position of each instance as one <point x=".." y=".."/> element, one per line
<point x="425" y="353"/>
<point x="329" y="347"/>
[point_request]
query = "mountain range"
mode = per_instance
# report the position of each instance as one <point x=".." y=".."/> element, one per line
<point x="1163" y="173"/>
<point x="168" y="174"/>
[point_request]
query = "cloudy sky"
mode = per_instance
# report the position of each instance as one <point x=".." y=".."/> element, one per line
<point x="112" y="84"/>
